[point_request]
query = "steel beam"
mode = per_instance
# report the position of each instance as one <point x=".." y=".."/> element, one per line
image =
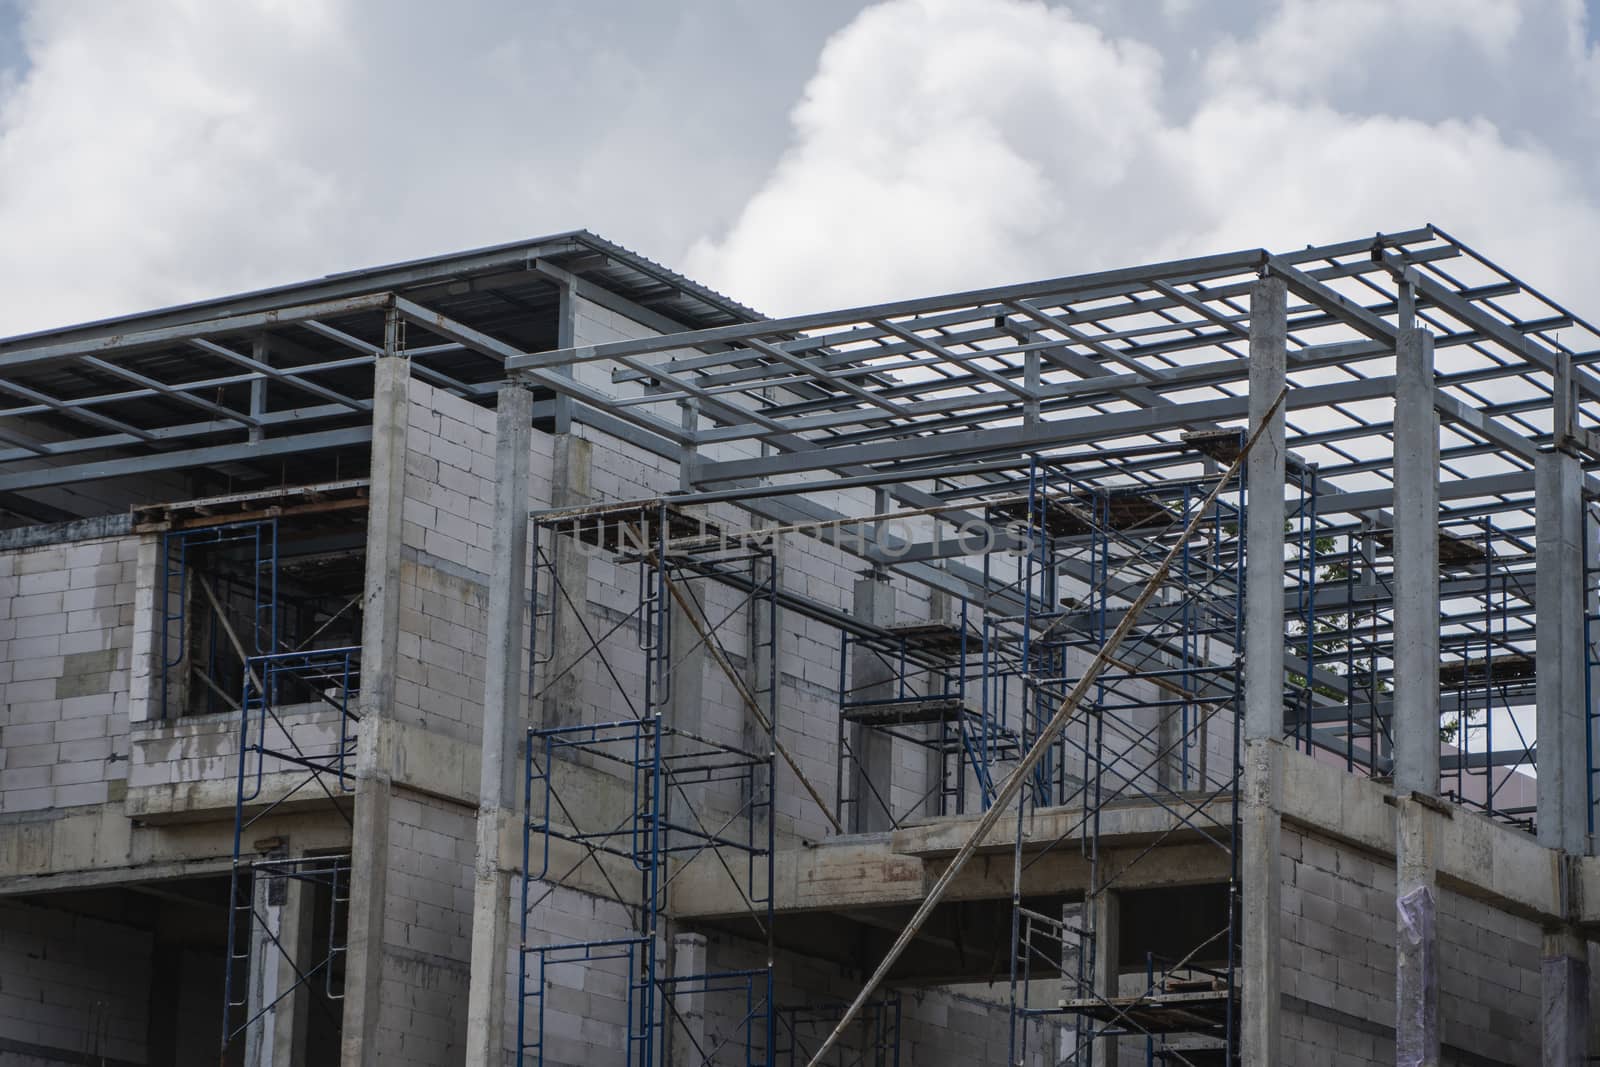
<point x="214" y="455"/>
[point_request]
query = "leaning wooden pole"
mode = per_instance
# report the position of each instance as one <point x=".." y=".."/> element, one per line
<point x="1008" y="788"/>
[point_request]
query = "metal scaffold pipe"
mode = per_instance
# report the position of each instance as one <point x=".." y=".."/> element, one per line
<point x="1069" y="706"/>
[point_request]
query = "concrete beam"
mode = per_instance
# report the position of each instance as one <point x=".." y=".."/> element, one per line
<point x="846" y="874"/>
<point x="1142" y="845"/>
<point x="1130" y="822"/>
<point x="96" y="847"/>
<point x="413" y="757"/>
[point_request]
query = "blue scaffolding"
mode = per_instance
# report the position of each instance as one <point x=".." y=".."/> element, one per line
<point x="1591" y="654"/>
<point x="1158" y="725"/>
<point x="1488" y="672"/>
<point x="1339" y="649"/>
<point x="295" y="714"/>
<point x="324" y="681"/>
<point x="673" y="781"/>
<point x="921" y="684"/>
<point x="873" y="1040"/>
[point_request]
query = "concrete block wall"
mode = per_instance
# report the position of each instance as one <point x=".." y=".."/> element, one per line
<point x="79" y="685"/>
<point x="429" y="847"/>
<point x="1338" y="965"/>
<point x="808" y="650"/>
<point x="445" y="562"/>
<point x="585" y="1006"/>
<point x="1338" y="954"/>
<point x="1489" y="966"/>
<point x="66" y="629"/>
<point x="191" y="753"/>
<point x="427" y="932"/>
<point x="611" y="683"/>
<point x="73" y="988"/>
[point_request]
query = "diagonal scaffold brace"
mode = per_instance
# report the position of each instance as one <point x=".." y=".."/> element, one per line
<point x="1058" y="721"/>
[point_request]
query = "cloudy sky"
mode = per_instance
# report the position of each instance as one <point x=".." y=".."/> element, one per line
<point x="794" y="155"/>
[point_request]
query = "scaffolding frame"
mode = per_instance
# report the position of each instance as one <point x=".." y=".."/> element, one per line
<point x="321" y="679"/>
<point x="941" y="405"/>
<point x="672" y="776"/>
<point x="878" y="1044"/>
<point x="1112" y="368"/>
<point x="296" y="716"/>
<point x="927" y="669"/>
<point x="1167" y="670"/>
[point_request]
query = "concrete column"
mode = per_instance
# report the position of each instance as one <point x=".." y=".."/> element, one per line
<point x="1564" y="978"/>
<point x="872" y="772"/>
<point x="1264" y="472"/>
<point x="686" y="648"/>
<point x="1260" y="821"/>
<point x="686" y="1019"/>
<point x="1416" y="565"/>
<point x="296" y="917"/>
<point x="1559" y="593"/>
<point x="503" y="726"/>
<point x="687" y="665"/>
<point x="570" y="487"/>
<point x="1416" y="1030"/>
<point x="380" y="639"/>
<point x="1169" y="742"/>
<point x="266" y="929"/>
<point x="1416" y="697"/>
<point x="1563" y="726"/>
<point x="762" y="673"/>
<point x="1261" y="906"/>
<point x="1107" y="909"/>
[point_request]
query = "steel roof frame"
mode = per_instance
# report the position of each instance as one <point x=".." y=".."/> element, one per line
<point x="1117" y="364"/>
<point x="932" y="400"/>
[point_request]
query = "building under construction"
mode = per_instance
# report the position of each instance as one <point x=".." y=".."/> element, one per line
<point x="531" y="656"/>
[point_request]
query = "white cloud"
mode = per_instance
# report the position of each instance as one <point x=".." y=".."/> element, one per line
<point x="166" y="150"/>
<point x="946" y="144"/>
<point x="1307" y="48"/>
